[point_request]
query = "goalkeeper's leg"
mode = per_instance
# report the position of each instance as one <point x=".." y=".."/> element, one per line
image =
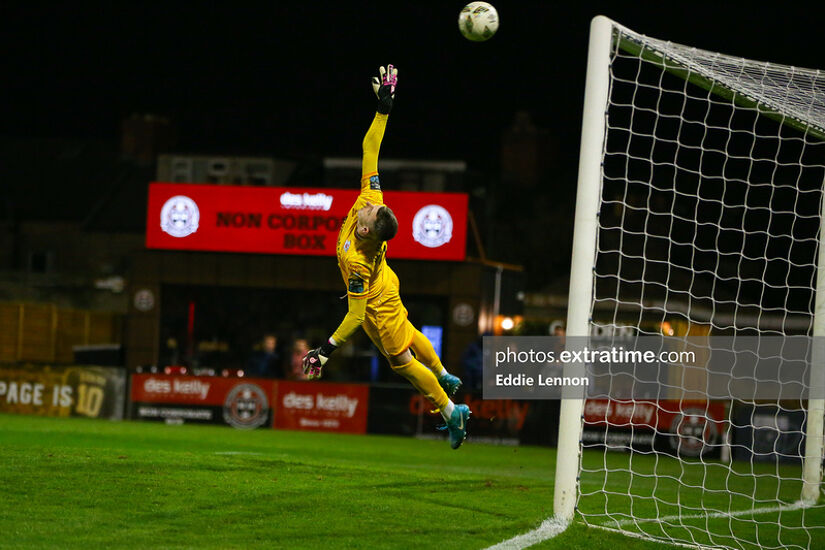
<point x="424" y="352"/>
<point x="387" y="325"/>
<point x="455" y="416"/>
<point x="394" y="338"/>
<point x="399" y="334"/>
<point x="421" y="378"/>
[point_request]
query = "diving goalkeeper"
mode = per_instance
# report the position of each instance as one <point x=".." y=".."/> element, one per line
<point x="372" y="287"/>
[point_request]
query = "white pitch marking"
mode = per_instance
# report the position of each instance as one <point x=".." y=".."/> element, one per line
<point x="548" y="529"/>
<point x="798" y="505"/>
<point x="552" y="527"/>
<point x="237" y="453"/>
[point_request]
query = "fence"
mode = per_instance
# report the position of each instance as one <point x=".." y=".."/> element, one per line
<point x="46" y="333"/>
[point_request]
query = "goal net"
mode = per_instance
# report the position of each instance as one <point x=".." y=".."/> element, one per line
<point x="699" y="217"/>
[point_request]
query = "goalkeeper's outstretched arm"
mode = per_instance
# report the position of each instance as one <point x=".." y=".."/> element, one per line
<point x="384" y="88"/>
<point x="314" y="360"/>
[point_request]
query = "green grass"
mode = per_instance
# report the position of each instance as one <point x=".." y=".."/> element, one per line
<point x="79" y="483"/>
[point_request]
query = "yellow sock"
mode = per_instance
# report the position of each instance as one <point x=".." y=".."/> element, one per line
<point x="424" y="381"/>
<point x="425" y="353"/>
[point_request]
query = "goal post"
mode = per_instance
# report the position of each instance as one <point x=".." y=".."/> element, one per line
<point x="815" y="445"/>
<point x="699" y="211"/>
<point x="584" y="245"/>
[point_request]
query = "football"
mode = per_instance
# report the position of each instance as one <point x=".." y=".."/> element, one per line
<point x="478" y="21"/>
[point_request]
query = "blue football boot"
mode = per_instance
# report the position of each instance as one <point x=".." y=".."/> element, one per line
<point x="457" y="425"/>
<point x="449" y="383"/>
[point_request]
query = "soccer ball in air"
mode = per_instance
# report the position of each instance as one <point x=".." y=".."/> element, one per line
<point x="478" y="21"/>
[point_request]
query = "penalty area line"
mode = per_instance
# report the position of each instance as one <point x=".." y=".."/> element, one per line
<point x="548" y="529"/>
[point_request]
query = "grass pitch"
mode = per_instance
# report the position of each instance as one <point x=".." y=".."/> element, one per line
<point x="79" y="483"/>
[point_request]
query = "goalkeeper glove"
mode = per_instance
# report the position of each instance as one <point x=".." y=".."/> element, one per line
<point x="384" y="88"/>
<point x="315" y="360"/>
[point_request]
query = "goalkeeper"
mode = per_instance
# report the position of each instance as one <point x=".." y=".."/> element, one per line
<point x="372" y="287"/>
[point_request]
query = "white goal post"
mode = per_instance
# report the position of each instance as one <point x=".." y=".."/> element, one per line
<point x="699" y="206"/>
<point x="585" y="229"/>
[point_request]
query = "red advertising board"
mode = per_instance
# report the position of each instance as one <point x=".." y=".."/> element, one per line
<point x="690" y="428"/>
<point x="663" y="415"/>
<point x="282" y="220"/>
<point x="194" y="390"/>
<point x="321" y="406"/>
<point x="239" y="402"/>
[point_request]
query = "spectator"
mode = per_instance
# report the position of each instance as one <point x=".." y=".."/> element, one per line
<point x="265" y="362"/>
<point x="472" y="360"/>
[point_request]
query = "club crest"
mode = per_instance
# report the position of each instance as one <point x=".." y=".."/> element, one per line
<point x="179" y="216"/>
<point x="246" y="407"/>
<point x="433" y="226"/>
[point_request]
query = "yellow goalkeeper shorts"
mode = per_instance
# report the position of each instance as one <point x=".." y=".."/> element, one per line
<point x="386" y="322"/>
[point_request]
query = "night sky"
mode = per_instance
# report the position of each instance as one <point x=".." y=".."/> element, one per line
<point x="291" y="79"/>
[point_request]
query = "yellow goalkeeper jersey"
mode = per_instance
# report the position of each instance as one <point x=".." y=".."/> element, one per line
<point x="362" y="268"/>
<point x="372" y="287"/>
<point x="361" y="265"/>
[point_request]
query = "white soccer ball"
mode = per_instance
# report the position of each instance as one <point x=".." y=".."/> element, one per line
<point x="478" y="21"/>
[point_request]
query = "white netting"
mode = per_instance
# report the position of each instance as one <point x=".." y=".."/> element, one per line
<point x="795" y="92"/>
<point x="709" y="225"/>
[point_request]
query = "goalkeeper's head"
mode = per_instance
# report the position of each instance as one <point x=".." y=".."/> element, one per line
<point x="376" y="222"/>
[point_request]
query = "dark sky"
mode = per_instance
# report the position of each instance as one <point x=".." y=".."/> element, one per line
<point x="292" y="78"/>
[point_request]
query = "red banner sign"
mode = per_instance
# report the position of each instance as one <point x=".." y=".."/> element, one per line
<point x="281" y="220"/>
<point x="690" y="428"/>
<point x="321" y="406"/>
<point x="662" y="415"/>
<point x="239" y="402"/>
<point x="188" y="390"/>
